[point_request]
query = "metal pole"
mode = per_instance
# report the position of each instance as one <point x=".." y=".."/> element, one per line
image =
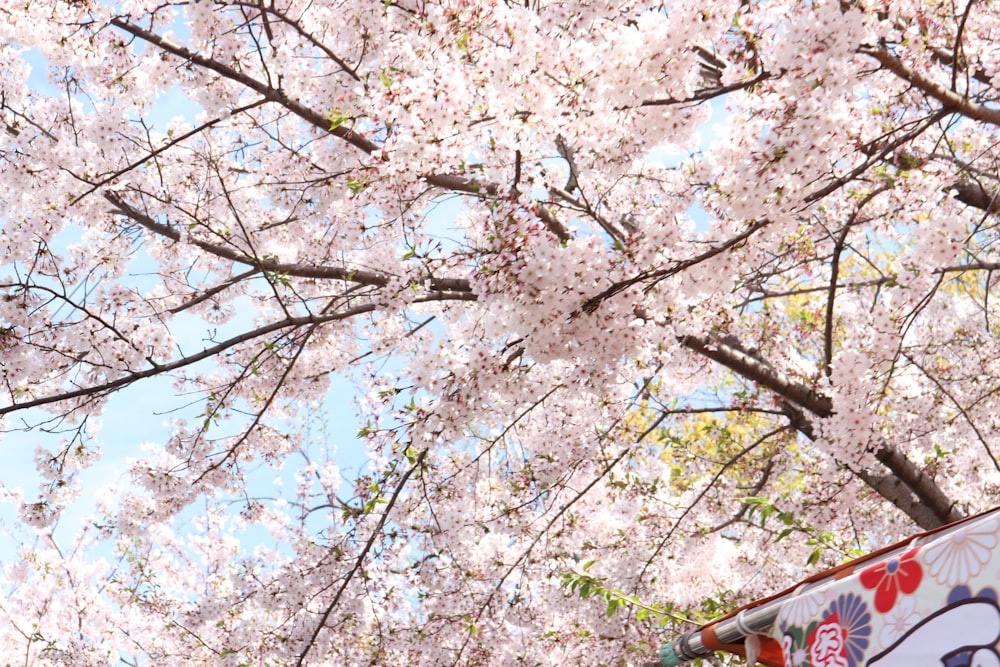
<point x="747" y="622"/>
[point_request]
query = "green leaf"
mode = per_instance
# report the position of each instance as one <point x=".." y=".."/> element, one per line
<point x="337" y="118"/>
<point x="613" y="605"/>
<point x="355" y="185"/>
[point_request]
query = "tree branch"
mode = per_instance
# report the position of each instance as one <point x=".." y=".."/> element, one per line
<point x="707" y="93"/>
<point x="591" y="304"/>
<point x="899" y="494"/>
<point x="207" y="353"/>
<point x="359" y="561"/>
<point x="449" y="182"/>
<point x="718" y="475"/>
<point x="297" y="27"/>
<point x="932" y="507"/>
<point x="373" y="278"/>
<point x="166" y="146"/>
<point x="734" y="357"/>
<point x="269" y="93"/>
<point x="949" y="99"/>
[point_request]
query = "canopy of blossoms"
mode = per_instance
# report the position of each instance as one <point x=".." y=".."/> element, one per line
<point x="651" y="309"/>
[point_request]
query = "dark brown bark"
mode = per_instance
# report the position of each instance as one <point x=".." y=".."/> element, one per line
<point x="907" y="487"/>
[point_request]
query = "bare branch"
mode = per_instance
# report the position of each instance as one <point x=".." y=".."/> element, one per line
<point x="158" y="151"/>
<point x="270" y="9"/>
<point x="715" y="478"/>
<point x="653" y="277"/>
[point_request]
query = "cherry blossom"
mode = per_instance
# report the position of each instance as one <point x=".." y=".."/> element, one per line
<point x="699" y="296"/>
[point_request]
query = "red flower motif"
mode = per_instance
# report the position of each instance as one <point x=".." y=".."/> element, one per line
<point x="891" y="577"/>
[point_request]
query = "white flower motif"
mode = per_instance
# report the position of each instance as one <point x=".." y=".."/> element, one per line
<point x="902" y="617"/>
<point x="802" y="609"/>
<point x="961" y="555"/>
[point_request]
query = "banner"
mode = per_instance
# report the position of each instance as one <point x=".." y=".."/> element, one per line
<point x="932" y="605"/>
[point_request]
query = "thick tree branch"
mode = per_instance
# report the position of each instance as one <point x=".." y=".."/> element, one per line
<point x="921" y="484"/>
<point x="734" y="357"/>
<point x="949" y="99"/>
<point x="899" y="494"/>
<point x="269" y="93"/>
<point x="932" y="507"/>
<point x="975" y="195"/>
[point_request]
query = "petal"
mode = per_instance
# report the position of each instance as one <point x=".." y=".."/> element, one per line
<point x="909" y="576"/>
<point x="885" y="596"/>
<point x="872" y="576"/>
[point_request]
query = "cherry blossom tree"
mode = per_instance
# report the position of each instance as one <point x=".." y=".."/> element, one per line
<point x="651" y="307"/>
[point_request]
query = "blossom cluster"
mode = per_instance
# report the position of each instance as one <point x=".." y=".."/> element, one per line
<point x="647" y="298"/>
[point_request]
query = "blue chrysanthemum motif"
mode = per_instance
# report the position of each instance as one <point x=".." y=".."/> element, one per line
<point x="856" y="620"/>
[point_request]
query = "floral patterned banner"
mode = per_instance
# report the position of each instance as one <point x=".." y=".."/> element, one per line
<point x="934" y="605"/>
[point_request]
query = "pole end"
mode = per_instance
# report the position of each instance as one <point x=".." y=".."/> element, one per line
<point x="669" y="657"/>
